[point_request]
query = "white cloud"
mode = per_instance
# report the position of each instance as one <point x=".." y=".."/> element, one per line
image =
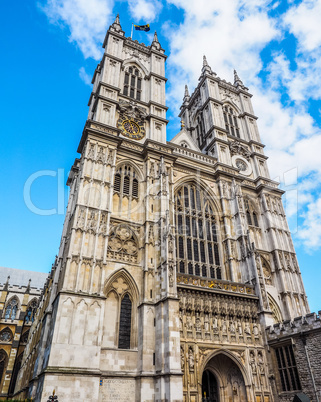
<point x="87" y="21"/>
<point x="86" y="78"/>
<point x="310" y="232"/>
<point x="304" y="22"/>
<point x="233" y="34"/>
<point x="144" y="9"/>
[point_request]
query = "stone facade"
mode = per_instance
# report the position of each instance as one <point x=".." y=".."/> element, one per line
<point x="18" y="307"/>
<point x="304" y="334"/>
<point x="175" y="256"/>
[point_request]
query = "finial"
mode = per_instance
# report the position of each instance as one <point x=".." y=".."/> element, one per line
<point x="28" y="287"/>
<point x="155" y="39"/>
<point x="6" y="285"/>
<point x="186" y="94"/>
<point x="205" y="63"/>
<point x="237" y="80"/>
<point x="116" y="24"/>
<point x="206" y="68"/>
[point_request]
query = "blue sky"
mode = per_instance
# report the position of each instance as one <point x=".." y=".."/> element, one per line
<point x="50" y="50"/>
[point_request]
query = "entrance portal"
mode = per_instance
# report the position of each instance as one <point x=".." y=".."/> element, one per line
<point x="222" y="381"/>
<point x="209" y="387"/>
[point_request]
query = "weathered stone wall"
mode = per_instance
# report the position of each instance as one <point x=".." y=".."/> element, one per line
<point x="304" y="333"/>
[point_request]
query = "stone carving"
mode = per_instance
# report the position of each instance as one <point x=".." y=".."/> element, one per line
<point x="101" y="154"/>
<point x="191" y="358"/>
<point x="131" y="109"/>
<point x="198" y="324"/>
<point x="91" y="152"/>
<point x="237" y="148"/>
<point x="171" y="275"/>
<point x="122" y="245"/>
<point x="6" y="335"/>
<point x="81" y="219"/>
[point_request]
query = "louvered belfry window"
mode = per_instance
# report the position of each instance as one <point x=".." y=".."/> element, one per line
<point x="230" y="120"/>
<point x="132" y="83"/>
<point x="196" y="233"/>
<point x="125" y="182"/>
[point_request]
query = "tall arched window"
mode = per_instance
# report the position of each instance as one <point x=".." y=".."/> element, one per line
<point x="125" y="321"/>
<point x="200" y="129"/>
<point x="31" y="311"/>
<point x="125" y="182"/>
<point x="230" y="120"/>
<point x="3" y="364"/>
<point x="197" y="234"/>
<point x="11" y="309"/>
<point x="133" y="83"/>
<point x="251" y="215"/>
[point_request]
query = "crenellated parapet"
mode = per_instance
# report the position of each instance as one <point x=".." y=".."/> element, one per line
<point x="297" y="326"/>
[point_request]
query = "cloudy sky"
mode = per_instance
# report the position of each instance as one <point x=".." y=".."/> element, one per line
<point x="49" y="52"/>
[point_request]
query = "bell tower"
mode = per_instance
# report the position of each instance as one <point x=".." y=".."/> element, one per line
<point x="129" y="88"/>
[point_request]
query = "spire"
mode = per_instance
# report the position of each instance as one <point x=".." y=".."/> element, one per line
<point x="237" y="80"/>
<point x="186" y="94"/>
<point x="155" y="44"/>
<point x="6" y="285"/>
<point x="116" y="24"/>
<point x="28" y="287"/>
<point x="205" y="63"/>
<point x="206" y="68"/>
<point x="155" y="39"/>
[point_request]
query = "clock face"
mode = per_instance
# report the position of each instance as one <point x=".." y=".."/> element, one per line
<point x="241" y="165"/>
<point x="131" y="128"/>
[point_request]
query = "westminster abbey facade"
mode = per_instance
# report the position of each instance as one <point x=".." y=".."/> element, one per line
<point x="176" y="278"/>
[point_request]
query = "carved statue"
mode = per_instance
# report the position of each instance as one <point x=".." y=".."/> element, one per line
<point x="191" y="359"/>
<point x="247" y="329"/>
<point x="206" y="323"/>
<point x="232" y="327"/>
<point x="214" y="325"/>
<point x="198" y="324"/>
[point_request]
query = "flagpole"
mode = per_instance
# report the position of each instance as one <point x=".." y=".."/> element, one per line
<point x="131" y="35"/>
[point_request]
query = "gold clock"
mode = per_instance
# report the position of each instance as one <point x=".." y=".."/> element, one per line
<point x="131" y="128"/>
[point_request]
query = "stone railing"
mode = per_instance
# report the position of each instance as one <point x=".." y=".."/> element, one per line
<point x="215" y="284"/>
<point x="195" y="155"/>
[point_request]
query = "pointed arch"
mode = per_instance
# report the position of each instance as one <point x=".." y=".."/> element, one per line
<point x="3" y="365"/>
<point x="275" y="309"/>
<point x="230" y="114"/>
<point x="31" y="310"/>
<point x="120" y="323"/>
<point x="127" y="279"/>
<point x="197" y="231"/>
<point x="136" y="63"/>
<point x="12" y="308"/>
<point x="235" y="359"/>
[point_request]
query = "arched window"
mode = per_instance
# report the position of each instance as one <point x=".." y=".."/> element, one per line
<point x="230" y="120"/>
<point x="11" y="309"/>
<point x="125" y="182"/>
<point x="31" y="311"/>
<point x="3" y="364"/>
<point x="251" y="215"/>
<point x="200" y="129"/>
<point x="197" y="233"/>
<point x="125" y="321"/>
<point x="133" y="83"/>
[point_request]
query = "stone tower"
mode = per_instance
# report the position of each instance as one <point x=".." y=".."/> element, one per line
<point x="174" y="257"/>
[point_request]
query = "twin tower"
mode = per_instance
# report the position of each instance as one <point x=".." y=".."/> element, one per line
<point x="174" y="256"/>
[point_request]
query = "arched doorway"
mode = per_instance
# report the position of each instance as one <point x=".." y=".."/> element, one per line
<point x="222" y="380"/>
<point x="209" y="387"/>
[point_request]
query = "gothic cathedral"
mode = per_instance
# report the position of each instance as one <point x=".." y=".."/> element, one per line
<point x="176" y="274"/>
